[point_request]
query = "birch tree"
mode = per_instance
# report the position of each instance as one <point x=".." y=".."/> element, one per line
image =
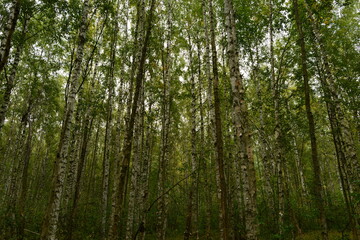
<point x="50" y="223"/>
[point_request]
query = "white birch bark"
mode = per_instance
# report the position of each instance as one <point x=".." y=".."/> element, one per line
<point x="165" y="131"/>
<point x="5" y="42"/>
<point x="50" y="224"/>
<point x="210" y="115"/>
<point x="133" y="209"/>
<point x="11" y="80"/>
<point x="144" y="178"/>
<point x="109" y="124"/>
<point x="241" y="125"/>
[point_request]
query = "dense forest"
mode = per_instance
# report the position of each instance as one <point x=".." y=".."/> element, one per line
<point x="179" y="119"/>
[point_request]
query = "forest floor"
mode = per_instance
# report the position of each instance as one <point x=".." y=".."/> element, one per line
<point x="333" y="235"/>
<point x="314" y="235"/>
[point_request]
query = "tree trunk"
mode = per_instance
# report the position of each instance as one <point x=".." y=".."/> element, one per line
<point x="11" y="80"/>
<point x="18" y="181"/>
<point x="242" y="132"/>
<point x="264" y="147"/>
<point x="134" y="194"/>
<point x="277" y="131"/>
<point x="72" y="162"/>
<point x="210" y="118"/>
<point x="79" y="171"/>
<point x="318" y="188"/>
<point x="165" y="132"/>
<point x="5" y="43"/>
<point x="191" y="217"/>
<point x="91" y="175"/>
<point x="23" y="167"/>
<point x="108" y="127"/>
<point x="50" y="223"/>
<point x="219" y="145"/>
<point x="201" y="163"/>
<point x="342" y="137"/>
<point x="145" y="172"/>
<point x="24" y="182"/>
<point x="121" y="178"/>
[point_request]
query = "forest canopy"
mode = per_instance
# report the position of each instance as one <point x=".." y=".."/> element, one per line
<point x="179" y="119"/>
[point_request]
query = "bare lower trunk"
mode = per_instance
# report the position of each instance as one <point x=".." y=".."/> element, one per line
<point x="72" y="162"/>
<point x="163" y="165"/>
<point x="19" y="182"/>
<point x="144" y="179"/>
<point x="79" y="173"/>
<point x="134" y="194"/>
<point x="24" y="182"/>
<point x="91" y="173"/>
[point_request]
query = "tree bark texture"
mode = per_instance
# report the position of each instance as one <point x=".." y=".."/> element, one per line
<point x="51" y="218"/>
<point x="11" y="79"/>
<point x="242" y="131"/>
<point x="6" y="41"/>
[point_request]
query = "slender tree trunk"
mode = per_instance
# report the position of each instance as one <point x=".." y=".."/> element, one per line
<point x="72" y="163"/>
<point x="24" y="173"/>
<point x="12" y="188"/>
<point x="167" y="62"/>
<point x="241" y="125"/>
<point x="121" y="181"/>
<point x="120" y="129"/>
<point x="165" y="132"/>
<point x="106" y="171"/>
<point x="79" y="172"/>
<point x="210" y="128"/>
<point x="300" y="166"/>
<point x="277" y="132"/>
<point x="6" y="41"/>
<point x="18" y="183"/>
<point x="201" y="163"/>
<point x="145" y="172"/>
<point x="91" y="176"/>
<point x="263" y="145"/>
<point x="134" y="194"/>
<point x="51" y="218"/>
<point x="11" y="79"/>
<point x="108" y="127"/>
<point x="163" y="165"/>
<point x="219" y="145"/>
<point x="318" y="188"/>
<point x="340" y="129"/>
<point x="191" y="217"/>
